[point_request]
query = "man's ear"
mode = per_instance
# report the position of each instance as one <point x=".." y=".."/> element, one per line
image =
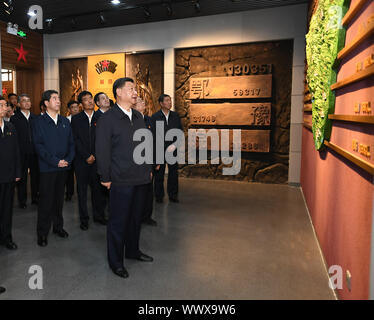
<point x="117" y="90"/>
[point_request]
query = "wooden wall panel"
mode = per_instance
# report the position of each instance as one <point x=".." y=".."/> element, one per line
<point x="29" y="74"/>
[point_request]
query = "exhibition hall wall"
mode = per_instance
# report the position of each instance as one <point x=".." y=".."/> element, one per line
<point x="337" y="180"/>
<point x="169" y="36"/>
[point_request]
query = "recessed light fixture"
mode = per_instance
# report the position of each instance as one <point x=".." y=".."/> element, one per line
<point x="31" y="13"/>
<point x="116" y="2"/>
<point x="49" y="23"/>
<point x="8" y="3"/>
<point x="8" y="6"/>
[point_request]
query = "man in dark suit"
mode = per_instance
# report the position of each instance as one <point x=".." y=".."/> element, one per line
<point x="103" y="103"/>
<point x="73" y="107"/>
<point x="85" y="162"/>
<point x="171" y="121"/>
<point x="119" y="172"/>
<point x="13" y="100"/>
<point x="10" y="172"/>
<point x="147" y="216"/>
<point x="23" y="120"/>
<point x="54" y="145"/>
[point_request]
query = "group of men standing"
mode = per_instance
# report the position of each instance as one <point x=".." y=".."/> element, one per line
<point x="98" y="147"/>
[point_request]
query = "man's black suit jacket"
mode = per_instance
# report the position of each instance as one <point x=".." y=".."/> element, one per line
<point x="174" y="122"/>
<point x="24" y="132"/>
<point x="84" y="137"/>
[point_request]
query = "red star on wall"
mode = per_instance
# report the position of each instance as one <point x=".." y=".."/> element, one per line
<point x="21" y="53"/>
<point x="105" y="64"/>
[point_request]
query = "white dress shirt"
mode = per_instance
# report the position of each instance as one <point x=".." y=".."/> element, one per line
<point x="166" y="116"/>
<point x="128" y="113"/>
<point x="89" y="116"/>
<point x="54" y="120"/>
<point x="27" y="115"/>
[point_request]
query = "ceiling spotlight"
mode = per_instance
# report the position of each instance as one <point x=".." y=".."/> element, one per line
<point x="196" y="4"/>
<point x="102" y="18"/>
<point x="169" y="10"/>
<point x="31" y="13"/>
<point x="116" y="2"/>
<point x="147" y="13"/>
<point x="8" y="3"/>
<point x="8" y="6"/>
<point x="49" y="23"/>
<point x="9" y="10"/>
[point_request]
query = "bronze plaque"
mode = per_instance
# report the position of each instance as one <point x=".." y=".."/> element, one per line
<point x="251" y="140"/>
<point x="242" y="87"/>
<point x="230" y="114"/>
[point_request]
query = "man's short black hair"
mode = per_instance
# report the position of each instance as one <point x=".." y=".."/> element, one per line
<point x="2" y="98"/>
<point x="120" y="83"/>
<point x="83" y="94"/>
<point x="46" y="96"/>
<point x="162" y="97"/>
<point x="22" y="96"/>
<point x="70" y="103"/>
<point x="97" y="96"/>
<point x="11" y="95"/>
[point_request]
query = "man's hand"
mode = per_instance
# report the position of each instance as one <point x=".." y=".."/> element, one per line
<point x="18" y="179"/>
<point x="106" y="184"/>
<point x="63" y="164"/>
<point x="157" y="167"/>
<point x="91" y="159"/>
<point x="171" y="148"/>
<point x="151" y="175"/>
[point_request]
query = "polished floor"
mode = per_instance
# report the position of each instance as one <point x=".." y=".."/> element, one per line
<point x="224" y="240"/>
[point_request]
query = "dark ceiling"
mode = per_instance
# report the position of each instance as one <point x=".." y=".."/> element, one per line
<point x="74" y="15"/>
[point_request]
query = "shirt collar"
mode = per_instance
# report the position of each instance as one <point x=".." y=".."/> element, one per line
<point x="89" y="117"/>
<point x="3" y="126"/>
<point x="27" y="116"/>
<point x="128" y="113"/>
<point x="166" y="116"/>
<point x="54" y="120"/>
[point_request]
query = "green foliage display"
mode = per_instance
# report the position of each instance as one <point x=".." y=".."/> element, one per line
<point x="324" y="40"/>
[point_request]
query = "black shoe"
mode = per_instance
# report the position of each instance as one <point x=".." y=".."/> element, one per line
<point x="159" y="200"/>
<point x="2" y="290"/>
<point x="10" y="245"/>
<point x="174" y="199"/>
<point x="22" y="206"/>
<point x="101" y="221"/>
<point x="42" y="241"/>
<point x="61" y="233"/>
<point x="142" y="257"/>
<point x="121" y="272"/>
<point x="150" y="222"/>
<point x="35" y="202"/>
<point x="84" y="226"/>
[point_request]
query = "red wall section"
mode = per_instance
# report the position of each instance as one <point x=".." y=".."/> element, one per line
<point x="338" y="193"/>
<point x="339" y="198"/>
